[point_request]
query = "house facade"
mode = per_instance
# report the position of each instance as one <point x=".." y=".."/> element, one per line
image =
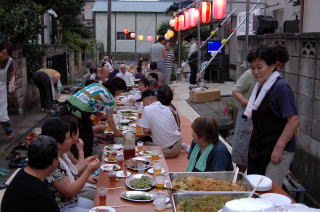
<point x="139" y="17"/>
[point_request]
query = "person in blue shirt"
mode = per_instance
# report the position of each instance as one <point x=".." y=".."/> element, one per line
<point x="207" y="153"/>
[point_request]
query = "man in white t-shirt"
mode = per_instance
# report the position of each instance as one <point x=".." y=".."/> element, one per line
<point x="158" y="120"/>
<point x="125" y="75"/>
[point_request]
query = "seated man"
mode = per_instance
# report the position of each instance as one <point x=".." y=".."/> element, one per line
<point x="207" y="153"/>
<point x="29" y="191"/>
<point x="125" y="75"/>
<point x="158" y="120"/>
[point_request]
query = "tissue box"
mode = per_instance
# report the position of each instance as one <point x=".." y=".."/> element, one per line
<point x="204" y="96"/>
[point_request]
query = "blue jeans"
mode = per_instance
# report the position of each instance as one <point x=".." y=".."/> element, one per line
<point x="83" y="205"/>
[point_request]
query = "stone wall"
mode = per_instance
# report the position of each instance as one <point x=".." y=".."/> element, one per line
<point x="16" y="100"/>
<point x="302" y="72"/>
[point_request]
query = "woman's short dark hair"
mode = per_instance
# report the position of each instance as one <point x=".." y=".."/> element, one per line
<point x="88" y="82"/>
<point x="153" y="66"/>
<point x="145" y="82"/>
<point x="115" y="84"/>
<point x="41" y="152"/>
<point x="56" y="128"/>
<point x="281" y="52"/>
<point x="165" y="94"/>
<point x="153" y="83"/>
<point x="264" y="53"/>
<point x="6" y="45"/>
<point x="139" y="69"/>
<point x="154" y="76"/>
<point x="207" y="128"/>
<point x="73" y="123"/>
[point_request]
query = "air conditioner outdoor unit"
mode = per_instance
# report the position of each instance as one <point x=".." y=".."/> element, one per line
<point x="264" y="24"/>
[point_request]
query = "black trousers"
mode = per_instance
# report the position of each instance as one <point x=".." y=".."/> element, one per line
<point x="85" y="127"/>
<point x="193" y="74"/>
<point x="43" y="82"/>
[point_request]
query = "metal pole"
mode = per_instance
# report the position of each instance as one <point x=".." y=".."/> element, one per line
<point x="198" y="46"/>
<point x="238" y="26"/>
<point x="179" y="41"/>
<point x="109" y="29"/>
<point x="247" y="31"/>
<point x="218" y="27"/>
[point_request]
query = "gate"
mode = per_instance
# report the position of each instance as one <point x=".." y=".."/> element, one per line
<point x="59" y="62"/>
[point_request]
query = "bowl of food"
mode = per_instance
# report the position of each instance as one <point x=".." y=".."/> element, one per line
<point x="140" y="182"/>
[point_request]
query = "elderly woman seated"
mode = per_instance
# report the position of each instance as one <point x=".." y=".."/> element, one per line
<point x="207" y="153"/>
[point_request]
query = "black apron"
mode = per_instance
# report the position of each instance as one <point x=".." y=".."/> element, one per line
<point x="267" y="128"/>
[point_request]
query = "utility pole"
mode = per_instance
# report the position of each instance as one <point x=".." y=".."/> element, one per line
<point x="109" y="29"/>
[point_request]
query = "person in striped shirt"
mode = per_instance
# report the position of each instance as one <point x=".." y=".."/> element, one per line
<point x="168" y="62"/>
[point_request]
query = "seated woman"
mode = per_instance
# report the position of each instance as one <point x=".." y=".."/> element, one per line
<point x="64" y="181"/>
<point x="207" y="153"/>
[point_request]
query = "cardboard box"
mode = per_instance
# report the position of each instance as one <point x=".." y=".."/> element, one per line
<point x="205" y="95"/>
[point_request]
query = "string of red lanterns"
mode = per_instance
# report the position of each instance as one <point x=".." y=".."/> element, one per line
<point x="190" y="16"/>
<point x="219" y="9"/>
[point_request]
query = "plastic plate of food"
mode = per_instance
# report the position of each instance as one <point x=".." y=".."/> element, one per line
<point x="121" y="174"/>
<point x="109" y="167"/>
<point x="145" y="153"/>
<point x="140" y="182"/>
<point x="133" y="163"/>
<point x="110" y="159"/>
<point x="115" y="146"/>
<point x="137" y="196"/>
<point x="150" y="171"/>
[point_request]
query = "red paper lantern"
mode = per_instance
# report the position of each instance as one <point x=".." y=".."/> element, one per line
<point x="219" y="8"/>
<point x="177" y="26"/>
<point x="182" y="22"/>
<point x="149" y="38"/>
<point x="132" y="35"/>
<point x="193" y="14"/>
<point x="187" y="19"/>
<point x="172" y="22"/>
<point x="205" y="12"/>
<point x="126" y="31"/>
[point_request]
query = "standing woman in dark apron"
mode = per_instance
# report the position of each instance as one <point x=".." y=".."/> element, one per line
<point x="274" y="117"/>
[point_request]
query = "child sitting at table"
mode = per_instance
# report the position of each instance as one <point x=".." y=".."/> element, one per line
<point x="207" y="153"/>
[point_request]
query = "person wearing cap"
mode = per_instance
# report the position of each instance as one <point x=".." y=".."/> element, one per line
<point x="98" y="100"/>
<point x="158" y="120"/>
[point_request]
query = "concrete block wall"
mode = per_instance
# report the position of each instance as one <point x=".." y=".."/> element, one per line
<point x="302" y="72"/>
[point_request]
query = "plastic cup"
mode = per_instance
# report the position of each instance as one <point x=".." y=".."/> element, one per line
<point x="140" y="146"/>
<point x="157" y="166"/>
<point x="160" y="204"/>
<point x="159" y="180"/>
<point x="112" y="176"/>
<point x="102" y="192"/>
<point x="114" y="152"/>
<point x="155" y="154"/>
<point x="141" y="168"/>
<point x="120" y="160"/>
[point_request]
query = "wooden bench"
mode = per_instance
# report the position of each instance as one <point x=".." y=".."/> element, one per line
<point x="294" y="187"/>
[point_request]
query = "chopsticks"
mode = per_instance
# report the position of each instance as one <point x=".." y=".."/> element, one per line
<point x="119" y="206"/>
<point x="116" y="187"/>
<point x="255" y="188"/>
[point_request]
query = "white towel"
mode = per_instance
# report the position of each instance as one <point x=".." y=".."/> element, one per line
<point x="254" y="103"/>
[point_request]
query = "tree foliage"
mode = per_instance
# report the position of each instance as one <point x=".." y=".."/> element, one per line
<point x="21" y="21"/>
